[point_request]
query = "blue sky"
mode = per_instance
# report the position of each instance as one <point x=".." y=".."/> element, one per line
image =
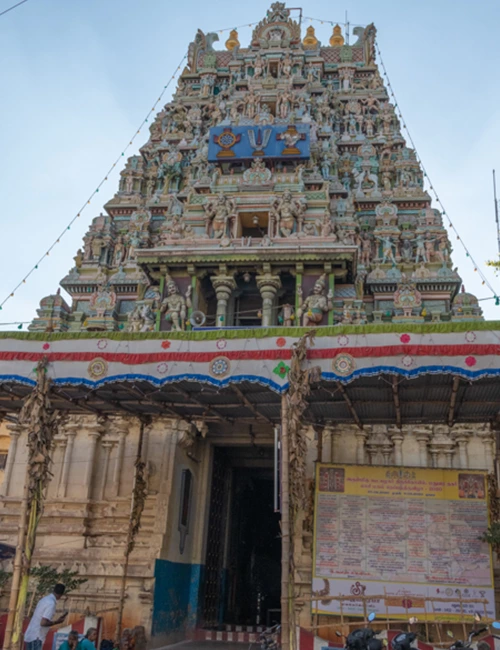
<point x="78" y="77"/>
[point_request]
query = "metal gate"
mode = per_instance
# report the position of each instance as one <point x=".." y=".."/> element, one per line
<point x="214" y="566"/>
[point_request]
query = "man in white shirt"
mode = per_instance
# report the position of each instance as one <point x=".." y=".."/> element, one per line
<point x="41" y="621"/>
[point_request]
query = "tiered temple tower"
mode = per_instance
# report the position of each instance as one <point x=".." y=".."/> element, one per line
<point x="275" y="189"/>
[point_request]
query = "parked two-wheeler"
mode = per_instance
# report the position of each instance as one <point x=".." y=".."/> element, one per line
<point x="363" y="638"/>
<point x="269" y="638"/>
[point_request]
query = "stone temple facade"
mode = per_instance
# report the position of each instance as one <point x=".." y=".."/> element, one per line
<point x="276" y="191"/>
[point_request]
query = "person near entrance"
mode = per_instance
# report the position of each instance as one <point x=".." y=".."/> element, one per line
<point x="41" y="621"/>
<point x="88" y="643"/>
<point x="72" y="642"/>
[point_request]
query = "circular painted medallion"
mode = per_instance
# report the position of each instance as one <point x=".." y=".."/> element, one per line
<point x="220" y="367"/>
<point x="343" y="364"/>
<point x="98" y="368"/>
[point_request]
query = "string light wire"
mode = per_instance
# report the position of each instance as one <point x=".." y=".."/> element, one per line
<point x="105" y="178"/>
<point x="6" y="11"/>
<point x="477" y="268"/>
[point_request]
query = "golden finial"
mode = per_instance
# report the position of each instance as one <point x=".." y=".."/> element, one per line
<point x="232" y="41"/>
<point x="310" y="39"/>
<point x="336" y="39"/>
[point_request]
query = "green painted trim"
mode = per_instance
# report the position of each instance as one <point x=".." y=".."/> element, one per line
<point x="261" y="333"/>
<point x="298" y="283"/>
<point x="158" y="315"/>
<point x="331" y="287"/>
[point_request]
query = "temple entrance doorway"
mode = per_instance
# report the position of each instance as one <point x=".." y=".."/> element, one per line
<point x="243" y="551"/>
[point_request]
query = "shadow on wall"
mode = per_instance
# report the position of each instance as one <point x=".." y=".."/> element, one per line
<point x="176" y="595"/>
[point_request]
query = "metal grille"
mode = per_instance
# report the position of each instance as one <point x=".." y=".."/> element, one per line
<point x="214" y="578"/>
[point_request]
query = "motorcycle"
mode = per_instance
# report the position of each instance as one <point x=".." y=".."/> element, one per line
<point x="269" y="638"/>
<point x="363" y="638"/>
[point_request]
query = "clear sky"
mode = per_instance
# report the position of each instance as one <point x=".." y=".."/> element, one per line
<point x="78" y="77"/>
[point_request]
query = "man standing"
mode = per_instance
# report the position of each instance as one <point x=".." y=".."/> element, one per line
<point x="41" y="620"/>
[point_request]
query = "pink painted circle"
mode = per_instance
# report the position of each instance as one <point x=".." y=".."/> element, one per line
<point x="470" y="337"/>
<point x="221" y="344"/>
<point x="343" y="340"/>
<point x="162" y="368"/>
<point x="102" y="344"/>
<point x="470" y="361"/>
<point x="281" y="342"/>
<point x="407" y="361"/>
<point x="405" y="338"/>
<point x="46" y="346"/>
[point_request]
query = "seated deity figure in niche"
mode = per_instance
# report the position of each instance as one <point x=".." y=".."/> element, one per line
<point x="312" y="309"/>
<point x="175" y="305"/>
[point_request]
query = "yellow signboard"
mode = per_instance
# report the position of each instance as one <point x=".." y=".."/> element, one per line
<point x="409" y="537"/>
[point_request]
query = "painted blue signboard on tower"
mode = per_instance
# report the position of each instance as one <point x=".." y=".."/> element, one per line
<point x="232" y="143"/>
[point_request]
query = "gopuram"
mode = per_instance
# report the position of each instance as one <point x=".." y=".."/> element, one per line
<point x="270" y="399"/>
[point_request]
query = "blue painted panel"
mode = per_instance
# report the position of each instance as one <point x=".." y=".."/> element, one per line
<point x="231" y="143"/>
<point x="177" y="588"/>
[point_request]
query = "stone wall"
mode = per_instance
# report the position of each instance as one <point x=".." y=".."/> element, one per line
<point x="88" y="504"/>
<point x="86" y="516"/>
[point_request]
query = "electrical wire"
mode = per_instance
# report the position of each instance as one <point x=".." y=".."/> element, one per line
<point x="87" y="202"/>
<point x="477" y="269"/>
<point x="13" y="7"/>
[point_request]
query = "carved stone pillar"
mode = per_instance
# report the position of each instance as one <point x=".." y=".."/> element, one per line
<point x="397" y="441"/>
<point x="15" y="431"/>
<point x="122" y="428"/>
<point x="422" y="437"/>
<point x="488" y="441"/>
<point x="95" y="431"/>
<point x="360" y="447"/>
<point x="224" y="285"/>
<point x="268" y="286"/>
<point x="71" y="431"/>
<point x="379" y="446"/>
<point x="107" y="446"/>
<point x="462" y="440"/>
<point x="442" y="447"/>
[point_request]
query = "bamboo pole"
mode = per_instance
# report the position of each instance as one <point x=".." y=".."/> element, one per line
<point x="18" y="564"/>
<point x="285" y="528"/>
<point x="136" y="503"/>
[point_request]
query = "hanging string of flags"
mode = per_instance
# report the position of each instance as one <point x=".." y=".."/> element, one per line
<point x="477" y="269"/>
<point x="105" y="178"/>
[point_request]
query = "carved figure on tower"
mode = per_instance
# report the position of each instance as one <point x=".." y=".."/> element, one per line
<point x="220" y="213"/>
<point x="313" y="308"/>
<point x="286" y="215"/>
<point x="175" y="305"/>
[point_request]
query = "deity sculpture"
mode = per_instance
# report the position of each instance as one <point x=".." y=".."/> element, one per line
<point x="366" y="250"/>
<point x="286" y="214"/>
<point x="141" y="319"/>
<point x="219" y="214"/>
<point x="175" y="306"/>
<point x="312" y="309"/>
<point x="388" y="247"/>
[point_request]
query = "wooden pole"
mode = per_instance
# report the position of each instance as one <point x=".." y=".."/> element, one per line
<point x="18" y="564"/>
<point x="285" y="528"/>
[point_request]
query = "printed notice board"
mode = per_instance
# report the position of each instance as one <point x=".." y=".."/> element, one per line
<point x="407" y="534"/>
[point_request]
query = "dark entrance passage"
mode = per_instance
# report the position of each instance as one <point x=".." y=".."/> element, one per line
<point x="254" y="569"/>
<point x="243" y="562"/>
